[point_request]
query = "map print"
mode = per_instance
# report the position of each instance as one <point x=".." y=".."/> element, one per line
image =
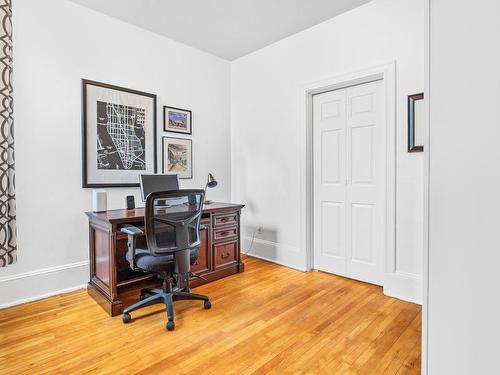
<point x="120" y="137"/>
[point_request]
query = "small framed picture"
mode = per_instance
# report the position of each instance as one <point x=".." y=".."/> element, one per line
<point x="178" y="156"/>
<point x="177" y="120"/>
<point x="415" y="122"/>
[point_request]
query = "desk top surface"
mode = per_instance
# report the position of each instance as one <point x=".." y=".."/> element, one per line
<point x="121" y="215"/>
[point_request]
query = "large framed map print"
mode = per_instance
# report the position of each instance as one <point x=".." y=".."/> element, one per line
<point x="119" y="135"/>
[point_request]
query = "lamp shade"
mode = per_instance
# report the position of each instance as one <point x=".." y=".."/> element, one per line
<point x="211" y="181"/>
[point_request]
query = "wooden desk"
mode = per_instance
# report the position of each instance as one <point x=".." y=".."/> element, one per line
<point x="114" y="285"/>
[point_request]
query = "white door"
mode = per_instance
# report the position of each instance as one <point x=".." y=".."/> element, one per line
<point x="349" y="143"/>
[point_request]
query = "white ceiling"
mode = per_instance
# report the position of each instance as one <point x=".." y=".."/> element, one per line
<point x="226" y="28"/>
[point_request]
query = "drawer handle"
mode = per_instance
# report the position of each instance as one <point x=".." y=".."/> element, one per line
<point x="224" y="233"/>
<point x="223" y="219"/>
<point x="225" y="255"/>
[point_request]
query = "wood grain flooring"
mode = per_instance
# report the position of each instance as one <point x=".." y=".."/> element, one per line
<point x="268" y="320"/>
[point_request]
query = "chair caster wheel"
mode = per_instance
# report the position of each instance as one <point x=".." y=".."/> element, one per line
<point x="207" y="305"/>
<point x="126" y="317"/>
<point x="170" y="326"/>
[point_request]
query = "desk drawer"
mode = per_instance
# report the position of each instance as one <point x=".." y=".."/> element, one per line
<point x="230" y="218"/>
<point x="225" y="254"/>
<point x="225" y="233"/>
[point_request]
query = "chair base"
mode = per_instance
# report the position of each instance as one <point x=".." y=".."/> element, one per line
<point x="168" y="298"/>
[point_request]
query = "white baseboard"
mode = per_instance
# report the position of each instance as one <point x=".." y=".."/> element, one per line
<point x="404" y="286"/>
<point x="272" y="261"/>
<point x="285" y="255"/>
<point x="31" y="286"/>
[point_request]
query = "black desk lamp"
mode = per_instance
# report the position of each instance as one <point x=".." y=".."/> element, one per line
<point x="211" y="183"/>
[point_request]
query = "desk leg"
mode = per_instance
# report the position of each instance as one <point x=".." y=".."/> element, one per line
<point x="112" y="308"/>
<point x="241" y="267"/>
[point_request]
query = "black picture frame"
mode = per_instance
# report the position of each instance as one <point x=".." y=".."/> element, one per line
<point x="179" y="175"/>
<point x="87" y="82"/>
<point x="165" y="120"/>
<point x="412" y="147"/>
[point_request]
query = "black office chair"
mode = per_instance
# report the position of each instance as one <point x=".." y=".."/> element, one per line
<point x="172" y="224"/>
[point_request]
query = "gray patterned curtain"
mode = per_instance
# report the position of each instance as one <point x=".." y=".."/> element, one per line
<point x="8" y="241"/>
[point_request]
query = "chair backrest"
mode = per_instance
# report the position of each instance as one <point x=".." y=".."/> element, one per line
<point x="172" y="220"/>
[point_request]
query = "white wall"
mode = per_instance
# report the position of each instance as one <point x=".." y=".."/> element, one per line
<point x="464" y="245"/>
<point x="56" y="44"/>
<point x="266" y="135"/>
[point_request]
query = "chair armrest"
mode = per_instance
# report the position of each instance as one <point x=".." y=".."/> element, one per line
<point x="131" y="230"/>
<point x="132" y="233"/>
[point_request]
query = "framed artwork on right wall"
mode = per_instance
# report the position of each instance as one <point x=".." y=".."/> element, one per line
<point x="415" y="123"/>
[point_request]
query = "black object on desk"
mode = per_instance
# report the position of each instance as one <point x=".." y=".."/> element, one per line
<point x="157" y="182"/>
<point x="130" y="202"/>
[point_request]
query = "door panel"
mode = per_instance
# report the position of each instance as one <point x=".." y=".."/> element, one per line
<point x="331" y="158"/>
<point x="362" y="154"/>
<point x="349" y="176"/>
<point x="330" y="109"/>
<point x="362" y="233"/>
<point x="361" y="104"/>
<point x="332" y="232"/>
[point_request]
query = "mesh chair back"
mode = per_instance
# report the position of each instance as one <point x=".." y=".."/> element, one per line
<point x="172" y="220"/>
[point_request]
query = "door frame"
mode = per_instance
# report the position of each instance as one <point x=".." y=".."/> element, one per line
<point x="387" y="73"/>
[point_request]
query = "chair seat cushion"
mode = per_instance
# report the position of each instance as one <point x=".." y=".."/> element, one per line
<point x="163" y="263"/>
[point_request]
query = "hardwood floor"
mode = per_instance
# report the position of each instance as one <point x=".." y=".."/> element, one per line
<point x="268" y="320"/>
